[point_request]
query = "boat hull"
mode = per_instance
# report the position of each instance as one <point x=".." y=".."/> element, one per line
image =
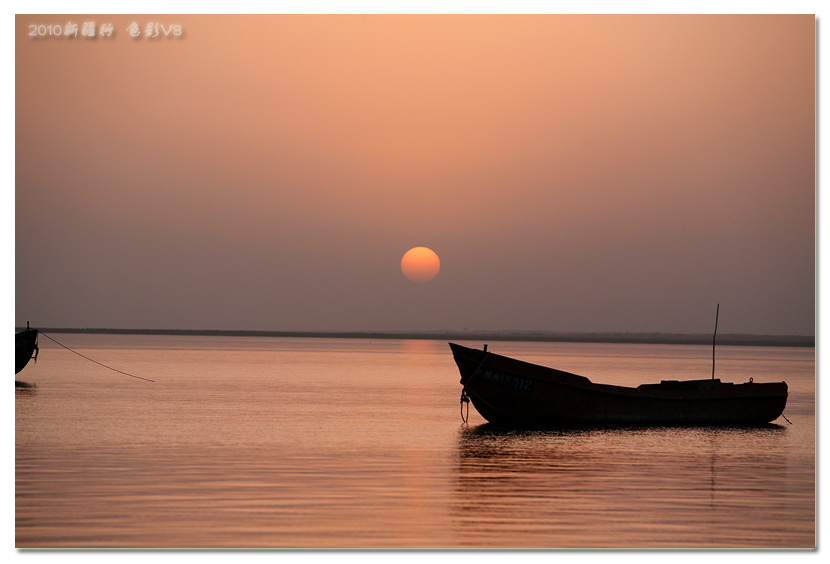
<point x="509" y="391"/>
<point x="25" y="345"/>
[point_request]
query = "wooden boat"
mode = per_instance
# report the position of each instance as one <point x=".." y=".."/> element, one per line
<point x="25" y="348"/>
<point x="509" y="391"/>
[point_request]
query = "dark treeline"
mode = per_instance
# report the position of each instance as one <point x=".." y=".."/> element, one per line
<point x="642" y="338"/>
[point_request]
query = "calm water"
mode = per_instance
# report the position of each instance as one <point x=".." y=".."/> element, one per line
<point x="300" y="443"/>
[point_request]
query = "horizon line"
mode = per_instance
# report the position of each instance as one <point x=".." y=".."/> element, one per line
<point x="622" y="337"/>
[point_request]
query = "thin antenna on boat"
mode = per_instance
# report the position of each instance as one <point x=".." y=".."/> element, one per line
<point x="713" y="341"/>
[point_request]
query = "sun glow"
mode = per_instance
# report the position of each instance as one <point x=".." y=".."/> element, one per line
<point x="420" y="264"/>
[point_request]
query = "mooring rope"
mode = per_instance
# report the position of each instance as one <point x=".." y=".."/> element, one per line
<point x="464" y="397"/>
<point x="95" y="361"/>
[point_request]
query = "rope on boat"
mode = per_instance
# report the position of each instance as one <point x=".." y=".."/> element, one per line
<point x="464" y="397"/>
<point x="785" y="419"/>
<point x="95" y="361"/>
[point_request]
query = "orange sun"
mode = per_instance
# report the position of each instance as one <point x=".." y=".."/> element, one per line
<point x="420" y="264"/>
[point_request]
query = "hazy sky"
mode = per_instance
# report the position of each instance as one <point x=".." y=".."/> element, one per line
<point x="573" y="173"/>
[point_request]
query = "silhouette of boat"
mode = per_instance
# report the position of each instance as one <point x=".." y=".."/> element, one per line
<point x="25" y="348"/>
<point x="509" y="391"/>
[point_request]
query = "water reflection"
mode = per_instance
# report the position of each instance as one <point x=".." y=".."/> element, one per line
<point x="620" y="487"/>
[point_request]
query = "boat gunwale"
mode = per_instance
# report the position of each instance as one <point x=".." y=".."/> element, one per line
<point x="632" y="392"/>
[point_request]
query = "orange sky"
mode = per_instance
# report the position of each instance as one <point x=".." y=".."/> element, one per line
<point x="573" y="173"/>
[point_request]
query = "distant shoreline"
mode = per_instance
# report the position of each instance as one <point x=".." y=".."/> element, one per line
<point x="532" y="336"/>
